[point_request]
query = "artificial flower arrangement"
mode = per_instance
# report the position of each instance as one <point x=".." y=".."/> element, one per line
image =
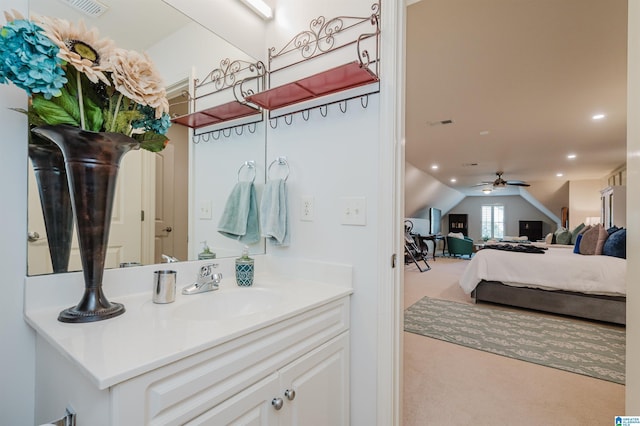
<point x="74" y="77"/>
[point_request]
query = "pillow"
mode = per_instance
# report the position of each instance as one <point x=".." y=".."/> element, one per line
<point x="612" y="229"/>
<point x="602" y="238"/>
<point x="576" y="246"/>
<point x="616" y="244"/>
<point x="456" y="235"/>
<point x="592" y="240"/>
<point x="563" y="236"/>
<point x="575" y="232"/>
<point x="549" y="238"/>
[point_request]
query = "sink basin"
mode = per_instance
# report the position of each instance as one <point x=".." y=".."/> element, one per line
<point x="231" y="303"/>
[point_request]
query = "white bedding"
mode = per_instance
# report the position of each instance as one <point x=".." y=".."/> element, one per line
<point x="556" y="269"/>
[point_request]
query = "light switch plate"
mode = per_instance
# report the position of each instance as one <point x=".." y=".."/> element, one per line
<point x="354" y="211"/>
<point x="205" y="209"/>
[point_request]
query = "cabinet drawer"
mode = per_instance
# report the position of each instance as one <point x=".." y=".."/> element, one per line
<point x="182" y="390"/>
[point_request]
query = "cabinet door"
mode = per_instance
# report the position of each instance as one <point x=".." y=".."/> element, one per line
<point x="320" y="380"/>
<point x="251" y="407"/>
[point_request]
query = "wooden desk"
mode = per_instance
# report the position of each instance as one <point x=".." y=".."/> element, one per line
<point x="422" y="242"/>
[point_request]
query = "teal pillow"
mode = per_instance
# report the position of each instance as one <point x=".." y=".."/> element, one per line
<point x="616" y="244"/>
<point x="575" y="232"/>
<point x="563" y="236"/>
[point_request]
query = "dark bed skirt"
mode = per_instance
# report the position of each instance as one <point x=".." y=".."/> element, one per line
<point x="589" y="306"/>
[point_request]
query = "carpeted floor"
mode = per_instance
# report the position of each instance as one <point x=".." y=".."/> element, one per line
<point x="583" y="348"/>
<point x="450" y="384"/>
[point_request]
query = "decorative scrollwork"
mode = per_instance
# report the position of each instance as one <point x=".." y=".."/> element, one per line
<point x="321" y="36"/>
<point x="231" y="73"/>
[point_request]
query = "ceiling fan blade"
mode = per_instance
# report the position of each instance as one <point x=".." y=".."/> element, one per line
<point x="517" y="183"/>
<point x="483" y="184"/>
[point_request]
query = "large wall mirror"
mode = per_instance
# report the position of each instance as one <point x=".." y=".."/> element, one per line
<point x="170" y="202"/>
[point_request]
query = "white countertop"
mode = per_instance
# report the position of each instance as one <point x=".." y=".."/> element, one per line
<point x="149" y="335"/>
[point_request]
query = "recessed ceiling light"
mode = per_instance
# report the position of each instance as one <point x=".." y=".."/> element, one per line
<point x="571" y="156"/>
<point x="598" y="116"/>
<point x="454" y="180"/>
<point x="559" y="174"/>
<point x="434" y="167"/>
<point x="484" y="133"/>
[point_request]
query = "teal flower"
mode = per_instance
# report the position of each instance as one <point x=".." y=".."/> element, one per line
<point x="29" y="59"/>
<point x="150" y="123"/>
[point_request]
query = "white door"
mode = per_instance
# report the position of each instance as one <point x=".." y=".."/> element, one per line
<point x="125" y="234"/>
<point x="320" y="381"/>
<point x="251" y="407"/>
<point x="164" y="204"/>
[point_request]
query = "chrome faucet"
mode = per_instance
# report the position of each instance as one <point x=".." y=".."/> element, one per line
<point x="207" y="280"/>
<point x="169" y="259"/>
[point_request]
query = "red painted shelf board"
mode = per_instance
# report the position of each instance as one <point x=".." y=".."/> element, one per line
<point x="278" y="97"/>
<point x="324" y="83"/>
<point x="340" y="78"/>
<point x="217" y="114"/>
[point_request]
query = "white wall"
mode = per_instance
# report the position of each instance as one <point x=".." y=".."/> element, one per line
<point x="632" y="388"/>
<point x="334" y="157"/>
<point x="584" y="200"/>
<point x="516" y="209"/>
<point x="331" y="158"/>
<point x="17" y="357"/>
<point x="423" y="190"/>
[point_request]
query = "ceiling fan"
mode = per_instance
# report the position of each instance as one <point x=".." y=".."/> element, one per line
<point x="501" y="183"/>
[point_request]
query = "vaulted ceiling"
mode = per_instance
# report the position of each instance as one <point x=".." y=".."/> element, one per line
<point x="520" y="81"/>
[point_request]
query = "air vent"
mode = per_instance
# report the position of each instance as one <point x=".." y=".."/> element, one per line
<point x="90" y="8"/>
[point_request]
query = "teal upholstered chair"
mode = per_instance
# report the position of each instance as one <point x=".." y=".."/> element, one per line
<point x="460" y="246"/>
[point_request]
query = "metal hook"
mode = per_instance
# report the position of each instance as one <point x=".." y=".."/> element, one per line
<point x="364" y="101"/>
<point x="215" y="135"/>
<point x="239" y="133"/>
<point x="290" y="120"/>
<point x="271" y="120"/>
<point x="305" y="118"/>
<point x="195" y="138"/>
<point x="251" y="165"/>
<point x="345" y="106"/>
<point x="249" y="127"/>
<point x="281" y="161"/>
<point x="324" y="114"/>
<point x="226" y="134"/>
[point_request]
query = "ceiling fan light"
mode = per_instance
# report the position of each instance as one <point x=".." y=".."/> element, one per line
<point x="486" y="191"/>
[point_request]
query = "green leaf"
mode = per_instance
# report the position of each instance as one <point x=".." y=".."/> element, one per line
<point x="93" y="115"/>
<point x="51" y="112"/>
<point x="68" y="103"/>
<point x="152" y="141"/>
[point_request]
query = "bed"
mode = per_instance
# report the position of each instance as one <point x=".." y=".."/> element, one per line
<point x="556" y="281"/>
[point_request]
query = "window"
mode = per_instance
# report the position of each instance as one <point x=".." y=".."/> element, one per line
<point x="492" y="222"/>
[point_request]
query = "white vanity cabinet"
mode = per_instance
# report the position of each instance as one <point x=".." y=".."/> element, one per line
<point x="312" y="390"/>
<point x="236" y="382"/>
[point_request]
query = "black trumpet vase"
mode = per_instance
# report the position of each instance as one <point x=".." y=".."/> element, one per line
<point x="92" y="160"/>
<point x="51" y="178"/>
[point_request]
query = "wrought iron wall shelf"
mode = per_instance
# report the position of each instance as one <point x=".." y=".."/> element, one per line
<point x="325" y="83"/>
<point x="323" y="37"/>
<point x="230" y="85"/>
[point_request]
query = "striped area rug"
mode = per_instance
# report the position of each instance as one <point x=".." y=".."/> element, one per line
<point x="591" y="349"/>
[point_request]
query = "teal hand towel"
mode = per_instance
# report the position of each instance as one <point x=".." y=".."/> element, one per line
<point x="240" y="216"/>
<point x="274" y="220"/>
